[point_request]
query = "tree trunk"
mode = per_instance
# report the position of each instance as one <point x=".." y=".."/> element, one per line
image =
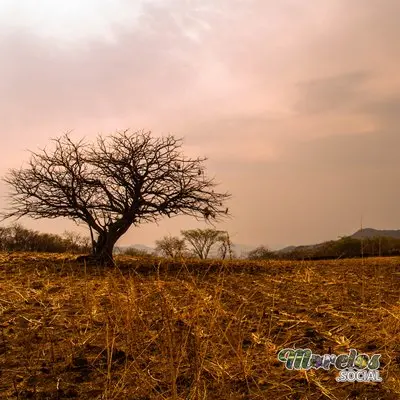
<point x="103" y="251"/>
<point x="103" y="248"/>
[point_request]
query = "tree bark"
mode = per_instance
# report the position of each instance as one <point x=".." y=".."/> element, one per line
<point x="103" y="251"/>
<point x="103" y="248"/>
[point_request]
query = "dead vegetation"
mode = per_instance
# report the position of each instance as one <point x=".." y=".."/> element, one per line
<point x="196" y="330"/>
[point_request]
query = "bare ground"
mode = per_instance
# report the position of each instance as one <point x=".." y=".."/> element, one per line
<point x="157" y="329"/>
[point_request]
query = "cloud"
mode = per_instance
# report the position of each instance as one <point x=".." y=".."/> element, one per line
<point x="292" y="101"/>
<point x="333" y="94"/>
<point x="385" y="111"/>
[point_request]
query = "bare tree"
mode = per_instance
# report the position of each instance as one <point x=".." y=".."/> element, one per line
<point x="170" y="246"/>
<point x="121" y="180"/>
<point x="202" y="240"/>
<point x="260" y="253"/>
<point x="4" y="238"/>
<point x="225" y="247"/>
<point x="135" y="252"/>
<point x="75" y="240"/>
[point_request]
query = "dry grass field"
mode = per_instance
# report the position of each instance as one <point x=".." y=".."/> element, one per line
<point x="192" y="330"/>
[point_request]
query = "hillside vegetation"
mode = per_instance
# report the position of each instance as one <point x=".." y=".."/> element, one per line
<point x="159" y="329"/>
<point x="345" y="247"/>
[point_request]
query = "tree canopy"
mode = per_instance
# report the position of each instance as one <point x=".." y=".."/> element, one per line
<point x="202" y="240"/>
<point x="171" y="246"/>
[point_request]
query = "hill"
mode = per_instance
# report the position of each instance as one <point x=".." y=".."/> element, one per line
<point x="371" y="233"/>
<point x="366" y="242"/>
<point x="286" y="249"/>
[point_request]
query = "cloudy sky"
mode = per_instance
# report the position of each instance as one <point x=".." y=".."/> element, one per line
<point x="296" y="103"/>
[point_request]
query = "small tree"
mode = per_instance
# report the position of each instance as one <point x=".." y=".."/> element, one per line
<point x="74" y="241"/>
<point x="260" y="253"/>
<point x="134" y="252"/>
<point x="170" y="246"/>
<point x="5" y="234"/>
<point x="225" y="247"/>
<point x="121" y="180"/>
<point x="202" y="240"/>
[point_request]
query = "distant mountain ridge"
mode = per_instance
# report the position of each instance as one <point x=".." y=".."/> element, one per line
<point x="370" y="232"/>
<point x="286" y="249"/>
<point x="360" y="234"/>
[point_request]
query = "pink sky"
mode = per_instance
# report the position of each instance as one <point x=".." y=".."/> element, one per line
<point x="295" y="103"/>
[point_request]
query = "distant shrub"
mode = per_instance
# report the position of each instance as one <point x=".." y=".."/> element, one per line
<point x="171" y="246"/>
<point x="260" y="253"/>
<point x="134" y="252"/>
<point x="18" y="238"/>
<point x="202" y="241"/>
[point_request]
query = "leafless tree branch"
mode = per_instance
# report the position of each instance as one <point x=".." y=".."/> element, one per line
<point x="120" y="180"/>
